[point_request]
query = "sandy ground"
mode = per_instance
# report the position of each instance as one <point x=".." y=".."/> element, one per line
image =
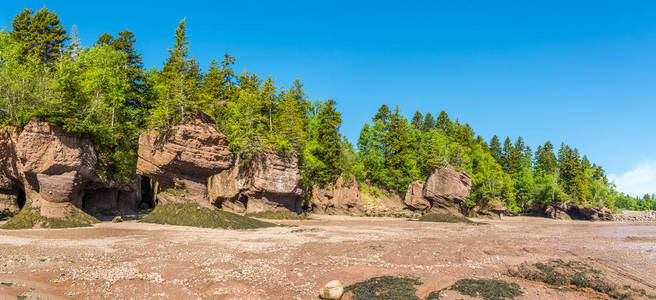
<point x="145" y="261"/>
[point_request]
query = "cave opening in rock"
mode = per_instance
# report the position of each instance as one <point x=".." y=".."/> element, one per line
<point x="147" y="193"/>
<point x="20" y="199"/>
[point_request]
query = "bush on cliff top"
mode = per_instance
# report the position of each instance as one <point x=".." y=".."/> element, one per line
<point x="30" y="217"/>
<point x="196" y="216"/>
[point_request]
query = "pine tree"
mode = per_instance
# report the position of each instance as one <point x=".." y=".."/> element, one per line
<point x="269" y="100"/>
<point x="444" y="123"/>
<point x="104" y="40"/>
<point x="383" y="114"/>
<point x="495" y="149"/>
<point x="40" y="34"/>
<point x="397" y="140"/>
<point x="177" y="84"/>
<point x="429" y="122"/>
<point x="545" y="159"/>
<point x="329" y="141"/>
<point x="417" y="120"/>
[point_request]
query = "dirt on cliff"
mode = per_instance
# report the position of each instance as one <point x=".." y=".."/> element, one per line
<point x="148" y="261"/>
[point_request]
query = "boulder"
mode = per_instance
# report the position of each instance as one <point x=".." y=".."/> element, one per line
<point x="446" y="187"/>
<point x="333" y="290"/>
<point x="183" y="158"/>
<point x="414" y="197"/>
<point x="558" y="211"/>
<point x="54" y="165"/>
<point x="583" y="212"/>
<point x="117" y="219"/>
<point x="268" y="182"/>
<point x="342" y="198"/>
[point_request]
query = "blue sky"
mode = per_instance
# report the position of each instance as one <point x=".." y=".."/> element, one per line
<point x="580" y="72"/>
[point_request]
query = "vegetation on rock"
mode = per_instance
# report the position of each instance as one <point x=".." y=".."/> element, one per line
<point x="194" y="215"/>
<point x="384" y="288"/>
<point x="446" y="218"/>
<point x="30" y="217"/>
<point x="487" y="289"/>
<point x="277" y="215"/>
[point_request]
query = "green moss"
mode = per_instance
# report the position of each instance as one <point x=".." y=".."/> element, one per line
<point x="487" y="289"/>
<point x="30" y="217"/>
<point x="5" y="214"/>
<point x="575" y="275"/>
<point x="446" y="218"/>
<point x="384" y="288"/>
<point x="277" y="215"/>
<point x="196" y="216"/>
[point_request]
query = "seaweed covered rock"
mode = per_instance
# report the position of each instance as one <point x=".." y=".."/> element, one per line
<point x="342" y="198"/>
<point x="182" y="159"/>
<point x="268" y="182"/>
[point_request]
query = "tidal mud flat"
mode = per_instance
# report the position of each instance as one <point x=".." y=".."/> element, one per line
<point x="149" y="261"/>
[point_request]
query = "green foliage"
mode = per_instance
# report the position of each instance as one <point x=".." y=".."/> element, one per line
<point x="196" y="216"/>
<point x="384" y="288"/>
<point x="277" y="215"/>
<point x="30" y="217"/>
<point x="487" y="289"/>
<point x="446" y="218"/>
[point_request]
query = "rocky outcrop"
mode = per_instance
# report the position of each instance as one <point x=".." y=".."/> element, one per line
<point x="182" y="159"/>
<point x="342" y="198"/>
<point x="446" y="187"/>
<point x="414" y="197"/>
<point x="268" y="182"/>
<point x="444" y="191"/>
<point x="108" y="198"/>
<point x="565" y="211"/>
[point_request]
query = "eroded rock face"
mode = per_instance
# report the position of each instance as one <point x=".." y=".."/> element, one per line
<point x="109" y="198"/>
<point x="414" y="197"/>
<point x="446" y="187"/>
<point x="268" y="182"/>
<point x="54" y="165"/>
<point x="343" y="198"/>
<point x="184" y="158"/>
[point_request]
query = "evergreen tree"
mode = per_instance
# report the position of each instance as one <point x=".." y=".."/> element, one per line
<point x="545" y="159"/>
<point x="40" y="35"/>
<point x="417" y="120"/>
<point x="104" y="40"/>
<point x="329" y="141"/>
<point x="495" y="149"/>
<point x="444" y="123"/>
<point x="383" y="114"/>
<point x="177" y="84"/>
<point x="429" y="122"/>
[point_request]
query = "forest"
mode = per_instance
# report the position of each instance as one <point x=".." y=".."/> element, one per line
<point x="104" y="91"/>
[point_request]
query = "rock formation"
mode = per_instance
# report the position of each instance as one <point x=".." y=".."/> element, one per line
<point x="565" y="211"/>
<point x="444" y="190"/>
<point x="108" y="198"/>
<point x="414" y="197"/>
<point x="182" y="159"/>
<point x="268" y="182"/>
<point x="343" y="198"/>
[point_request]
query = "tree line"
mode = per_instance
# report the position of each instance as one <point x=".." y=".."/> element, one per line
<point x="104" y="91"/>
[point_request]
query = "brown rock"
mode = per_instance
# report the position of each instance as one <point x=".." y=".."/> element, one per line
<point x="54" y="165"/>
<point x="558" y="211"/>
<point x="108" y="198"/>
<point x="8" y="205"/>
<point x="272" y="183"/>
<point x="117" y="219"/>
<point x="224" y="189"/>
<point x="414" y="197"/>
<point x="184" y="157"/>
<point x="343" y="198"/>
<point x="446" y="187"/>
<point x="333" y="290"/>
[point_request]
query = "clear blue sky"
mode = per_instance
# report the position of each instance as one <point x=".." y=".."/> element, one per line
<point x="582" y="72"/>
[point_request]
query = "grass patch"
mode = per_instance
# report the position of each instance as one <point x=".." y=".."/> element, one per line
<point x="446" y="218"/>
<point x="575" y="275"/>
<point x="277" y="215"/>
<point x="487" y="289"/>
<point x="196" y="216"/>
<point x="384" y="288"/>
<point x="30" y="217"/>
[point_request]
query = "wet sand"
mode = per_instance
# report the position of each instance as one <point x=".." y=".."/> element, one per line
<point x="147" y="261"/>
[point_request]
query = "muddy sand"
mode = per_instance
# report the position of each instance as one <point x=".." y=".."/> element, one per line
<point x="146" y="261"/>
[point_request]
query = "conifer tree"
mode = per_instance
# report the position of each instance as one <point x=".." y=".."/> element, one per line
<point x="40" y="34"/>
<point x="329" y="141"/>
<point x="444" y="123"/>
<point x="495" y="149"/>
<point x="429" y="122"/>
<point x="383" y="114"/>
<point x="417" y="120"/>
